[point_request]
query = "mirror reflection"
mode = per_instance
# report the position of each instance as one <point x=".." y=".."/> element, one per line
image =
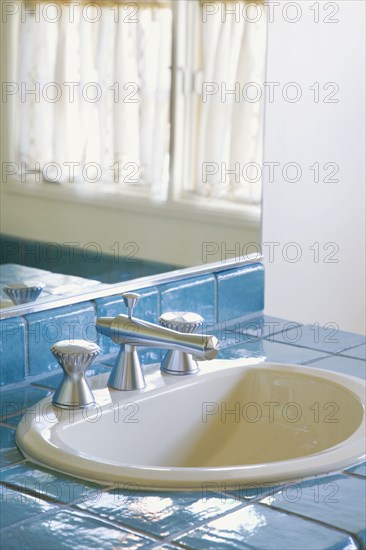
<point x="133" y="139"/>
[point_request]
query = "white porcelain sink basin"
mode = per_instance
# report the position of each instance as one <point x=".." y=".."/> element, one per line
<point x="232" y="423"/>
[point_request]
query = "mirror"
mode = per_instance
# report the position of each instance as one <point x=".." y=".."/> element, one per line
<point x="133" y="139"/>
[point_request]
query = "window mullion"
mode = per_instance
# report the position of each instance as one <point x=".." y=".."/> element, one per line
<point x="185" y="78"/>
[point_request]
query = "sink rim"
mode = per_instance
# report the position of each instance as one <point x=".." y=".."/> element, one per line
<point x="33" y="439"/>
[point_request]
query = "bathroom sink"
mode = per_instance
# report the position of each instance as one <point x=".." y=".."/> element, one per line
<point x="235" y="422"/>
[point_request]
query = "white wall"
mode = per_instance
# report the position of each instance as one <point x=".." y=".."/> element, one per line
<point x="306" y="132"/>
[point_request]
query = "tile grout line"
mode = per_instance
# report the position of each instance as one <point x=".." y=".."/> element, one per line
<point x="216" y="299"/>
<point x="26" y="347"/>
<point x="353" y="474"/>
<point x="9" y="426"/>
<point x="59" y="507"/>
<point x="8" y="466"/>
<point x="72" y="507"/>
<point x="173" y="537"/>
<point x="118" y="524"/>
<point x="312" y="520"/>
<point x="297" y="345"/>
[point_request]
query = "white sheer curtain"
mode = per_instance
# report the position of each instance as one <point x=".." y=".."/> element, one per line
<point x="93" y="103"/>
<point x="101" y="108"/>
<point x="231" y="125"/>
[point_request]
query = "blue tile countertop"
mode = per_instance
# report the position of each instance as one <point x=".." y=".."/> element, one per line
<point x="46" y="510"/>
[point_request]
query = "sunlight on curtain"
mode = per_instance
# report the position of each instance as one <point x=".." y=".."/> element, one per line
<point x="231" y="124"/>
<point x="100" y="111"/>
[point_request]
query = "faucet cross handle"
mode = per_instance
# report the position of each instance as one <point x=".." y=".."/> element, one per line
<point x="74" y="356"/>
<point x="181" y="321"/>
<point x="178" y="362"/>
<point x="23" y="293"/>
<point x="131" y="300"/>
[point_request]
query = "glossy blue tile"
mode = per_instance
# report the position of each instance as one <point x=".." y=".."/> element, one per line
<point x="161" y="514"/>
<point x="259" y="527"/>
<point x="47" y="327"/>
<point x="337" y="500"/>
<point x="9" y="453"/>
<point x="246" y="329"/>
<point x="13" y="420"/>
<point x="48" y="483"/>
<point x="70" y="529"/>
<point x="240" y="292"/>
<point x="357" y="353"/>
<point x="227" y="335"/>
<point x="359" y="470"/>
<point x="343" y="545"/>
<point x="15" y="507"/>
<point x="16" y="401"/>
<point x="329" y="339"/>
<point x="262" y="326"/>
<point x="12" y="350"/>
<point x="251" y="492"/>
<point x="273" y="325"/>
<point x="196" y="294"/>
<point x="146" y="309"/>
<point x="270" y="351"/>
<point x="342" y="364"/>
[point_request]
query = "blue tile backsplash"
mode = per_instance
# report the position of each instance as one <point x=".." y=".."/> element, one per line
<point x="13" y="350"/>
<point x="42" y="509"/>
<point x="9" y="454"/>
<point x="196" y="294"/>
<point x="218" y="297"/>
<point x="47" y="327"/>
<point x="240" y="292"/>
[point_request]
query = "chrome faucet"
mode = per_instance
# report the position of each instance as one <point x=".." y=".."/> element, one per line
<point x="130" y="332"/>
<point x="178" y="362"/>
<point x="75" y="357"/>
<point x="23" y="293"/>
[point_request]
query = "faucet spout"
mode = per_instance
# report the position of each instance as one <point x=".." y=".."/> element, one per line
<point x="124" y="330"/>
<point x="130" y="332"/>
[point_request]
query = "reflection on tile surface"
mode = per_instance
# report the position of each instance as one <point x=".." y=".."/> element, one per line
<point x="255" y="527"/>
<point x="9" y="453"/>
<point x="275" y="352"/>
<point x="329" y="339"/>
<point x="336" y="500"/>
<point x="17" y="507"/>
<point x="69" y="529"/>
<point x="44" y="482"/>
<point x="162" y="514"/>
<point x="358" y="353"/>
